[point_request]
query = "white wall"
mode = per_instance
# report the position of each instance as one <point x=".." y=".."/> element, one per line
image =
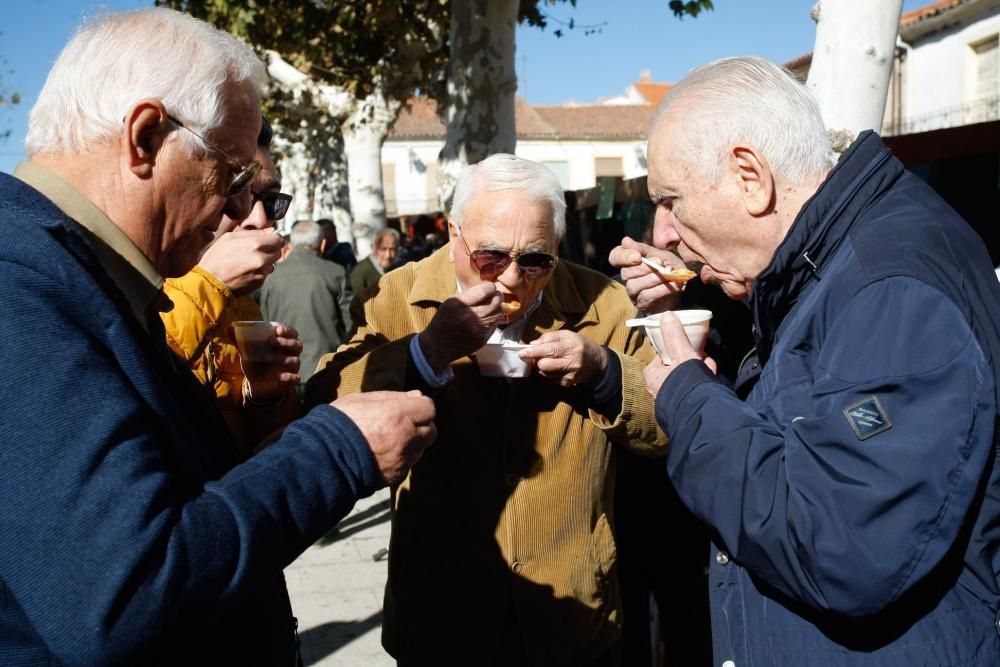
<point x="937" y="68"/>
<point x="414" y="165"/>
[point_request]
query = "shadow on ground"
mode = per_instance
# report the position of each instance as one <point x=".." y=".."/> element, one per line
<point x="326" y="639"/>
<point x="355" y="523"/>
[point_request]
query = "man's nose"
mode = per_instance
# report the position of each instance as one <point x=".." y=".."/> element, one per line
<point x="239" y="206"/>
<point x="510" y="277"/>
<point x="665" y="234"/>
<point x="257" y="218"/>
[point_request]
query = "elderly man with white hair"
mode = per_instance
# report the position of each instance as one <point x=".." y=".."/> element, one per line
<point x="130" y="535"/>
<point x="503" y="548"/>
<point x="850" y="477"/>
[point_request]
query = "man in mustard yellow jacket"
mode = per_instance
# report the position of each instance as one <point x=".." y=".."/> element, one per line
<point x="213" y="295"/>
<point x="502" y="549"/>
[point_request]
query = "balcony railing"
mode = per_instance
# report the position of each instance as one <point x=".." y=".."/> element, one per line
<point x="977" y="111"/>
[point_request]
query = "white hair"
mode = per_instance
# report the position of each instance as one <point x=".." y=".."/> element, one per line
<point x="382" y="233"/>
<point x="117" y="59"/>
<point x="503" y="171"/>
<point x="748" y="100"/>
<point x="306" y="233"/>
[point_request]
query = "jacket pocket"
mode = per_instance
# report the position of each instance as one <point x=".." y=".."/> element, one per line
<point x="603" y="556"/>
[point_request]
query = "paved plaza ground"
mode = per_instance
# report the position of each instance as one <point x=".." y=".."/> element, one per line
<point x="336" y="588"/>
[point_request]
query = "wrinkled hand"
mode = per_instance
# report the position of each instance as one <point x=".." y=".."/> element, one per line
<point x="243" y="258"/>
<point x="398" y="427"/>
<point x="678" y="347"/>
<point x="461" y="325"/>
<point x="567" y="357"/>
<point x="648" y="291"/>
<point x="269" y="379"/>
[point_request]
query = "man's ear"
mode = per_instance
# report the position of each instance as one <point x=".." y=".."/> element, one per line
<point x="754" y="179"/>
<point x="146" y="129"/>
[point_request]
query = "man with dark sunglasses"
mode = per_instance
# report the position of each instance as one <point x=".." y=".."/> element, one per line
<point x="502" y="545"/>
<point x="216" y="293"/>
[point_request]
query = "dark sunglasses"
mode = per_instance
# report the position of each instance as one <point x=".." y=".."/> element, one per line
<point x="275" y="203"/>
<point x="241" y="176"/>
<point x="495" y="262"/>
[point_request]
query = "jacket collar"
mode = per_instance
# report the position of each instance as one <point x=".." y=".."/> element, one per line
<point x="864" y="172"/>
<point x="435" y="281"/>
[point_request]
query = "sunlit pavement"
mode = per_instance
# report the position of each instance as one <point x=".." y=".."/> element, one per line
<point x="336" y="588"/>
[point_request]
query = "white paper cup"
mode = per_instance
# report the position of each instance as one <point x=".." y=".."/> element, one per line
<point x="695" y="326"/>
<point x="252" y="341"/>
<point x="501" y="360"/>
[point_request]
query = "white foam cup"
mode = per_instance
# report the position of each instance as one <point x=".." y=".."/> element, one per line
<point x="501" y="360"/>
<point x="695" y="326"/>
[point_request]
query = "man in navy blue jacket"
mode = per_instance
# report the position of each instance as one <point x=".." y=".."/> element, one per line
<point x="130" y="532"/>
<point x="849" y="479"/>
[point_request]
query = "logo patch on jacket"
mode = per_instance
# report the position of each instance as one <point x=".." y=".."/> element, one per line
<point x="867" y="417"/>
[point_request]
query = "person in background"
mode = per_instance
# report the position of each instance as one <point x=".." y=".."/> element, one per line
<point x="382" y="259"/>
<point x="339" y="252"/>
<point x="215" y="293"/>
<point x="850" y="477"/>
<point x="503" y="541"/>
<point x="309" y="294"/>
<point x="131" y="532"/>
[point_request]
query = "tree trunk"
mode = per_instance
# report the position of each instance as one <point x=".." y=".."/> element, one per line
<point x="364" y="132"/>
<point x="851" y="64"/>
<point x="481" y="86"/>
<point x="332" y="197"/>
<point x="313" y="166"/>
<point x="294" y="167"/>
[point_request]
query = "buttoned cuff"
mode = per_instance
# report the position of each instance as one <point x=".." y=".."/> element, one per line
<point x="607" y="396"/>
<point x="426" y="372"/>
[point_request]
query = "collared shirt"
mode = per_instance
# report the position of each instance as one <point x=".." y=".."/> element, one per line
<point x="128" y="267"/>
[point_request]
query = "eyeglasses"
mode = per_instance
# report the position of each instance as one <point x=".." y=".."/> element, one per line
<point x="275" y="203"/>
<point x="495" y="262"/>
<point x="242" y="176"/>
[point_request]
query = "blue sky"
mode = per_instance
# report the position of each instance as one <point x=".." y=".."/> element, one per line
<point x="634" y="35"/>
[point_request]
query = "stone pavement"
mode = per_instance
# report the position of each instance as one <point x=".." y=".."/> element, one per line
<point x="336" y="588"/>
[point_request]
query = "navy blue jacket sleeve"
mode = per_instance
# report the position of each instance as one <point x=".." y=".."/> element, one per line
<point x="103" y="547"/>
<point x="838" y="522"/>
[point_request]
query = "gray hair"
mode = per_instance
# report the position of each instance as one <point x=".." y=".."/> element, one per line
<point x="503" y="171"/>
<point x="116" y="59"/>
<point x="752" y="100"/>
<point x="382" y="233"/>
<point x="307" y="234"/>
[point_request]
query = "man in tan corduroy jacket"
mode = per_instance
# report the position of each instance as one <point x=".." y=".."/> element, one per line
<point x="502" y="549"/>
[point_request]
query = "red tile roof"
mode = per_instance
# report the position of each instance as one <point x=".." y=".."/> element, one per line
<point x="653" y="92"/>
<point x="595" y="120"/>
<point x="927" y="11"/>
<point x="419" y="120"/>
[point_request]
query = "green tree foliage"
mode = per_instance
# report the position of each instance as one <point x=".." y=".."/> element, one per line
<point x="400" y="45"/>
<point x="396" y="43"/>
<point x="692" y="8"/>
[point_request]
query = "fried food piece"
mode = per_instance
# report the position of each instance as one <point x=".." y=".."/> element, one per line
<point x="678" y="274"/>
<point x="510" y="309"/>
